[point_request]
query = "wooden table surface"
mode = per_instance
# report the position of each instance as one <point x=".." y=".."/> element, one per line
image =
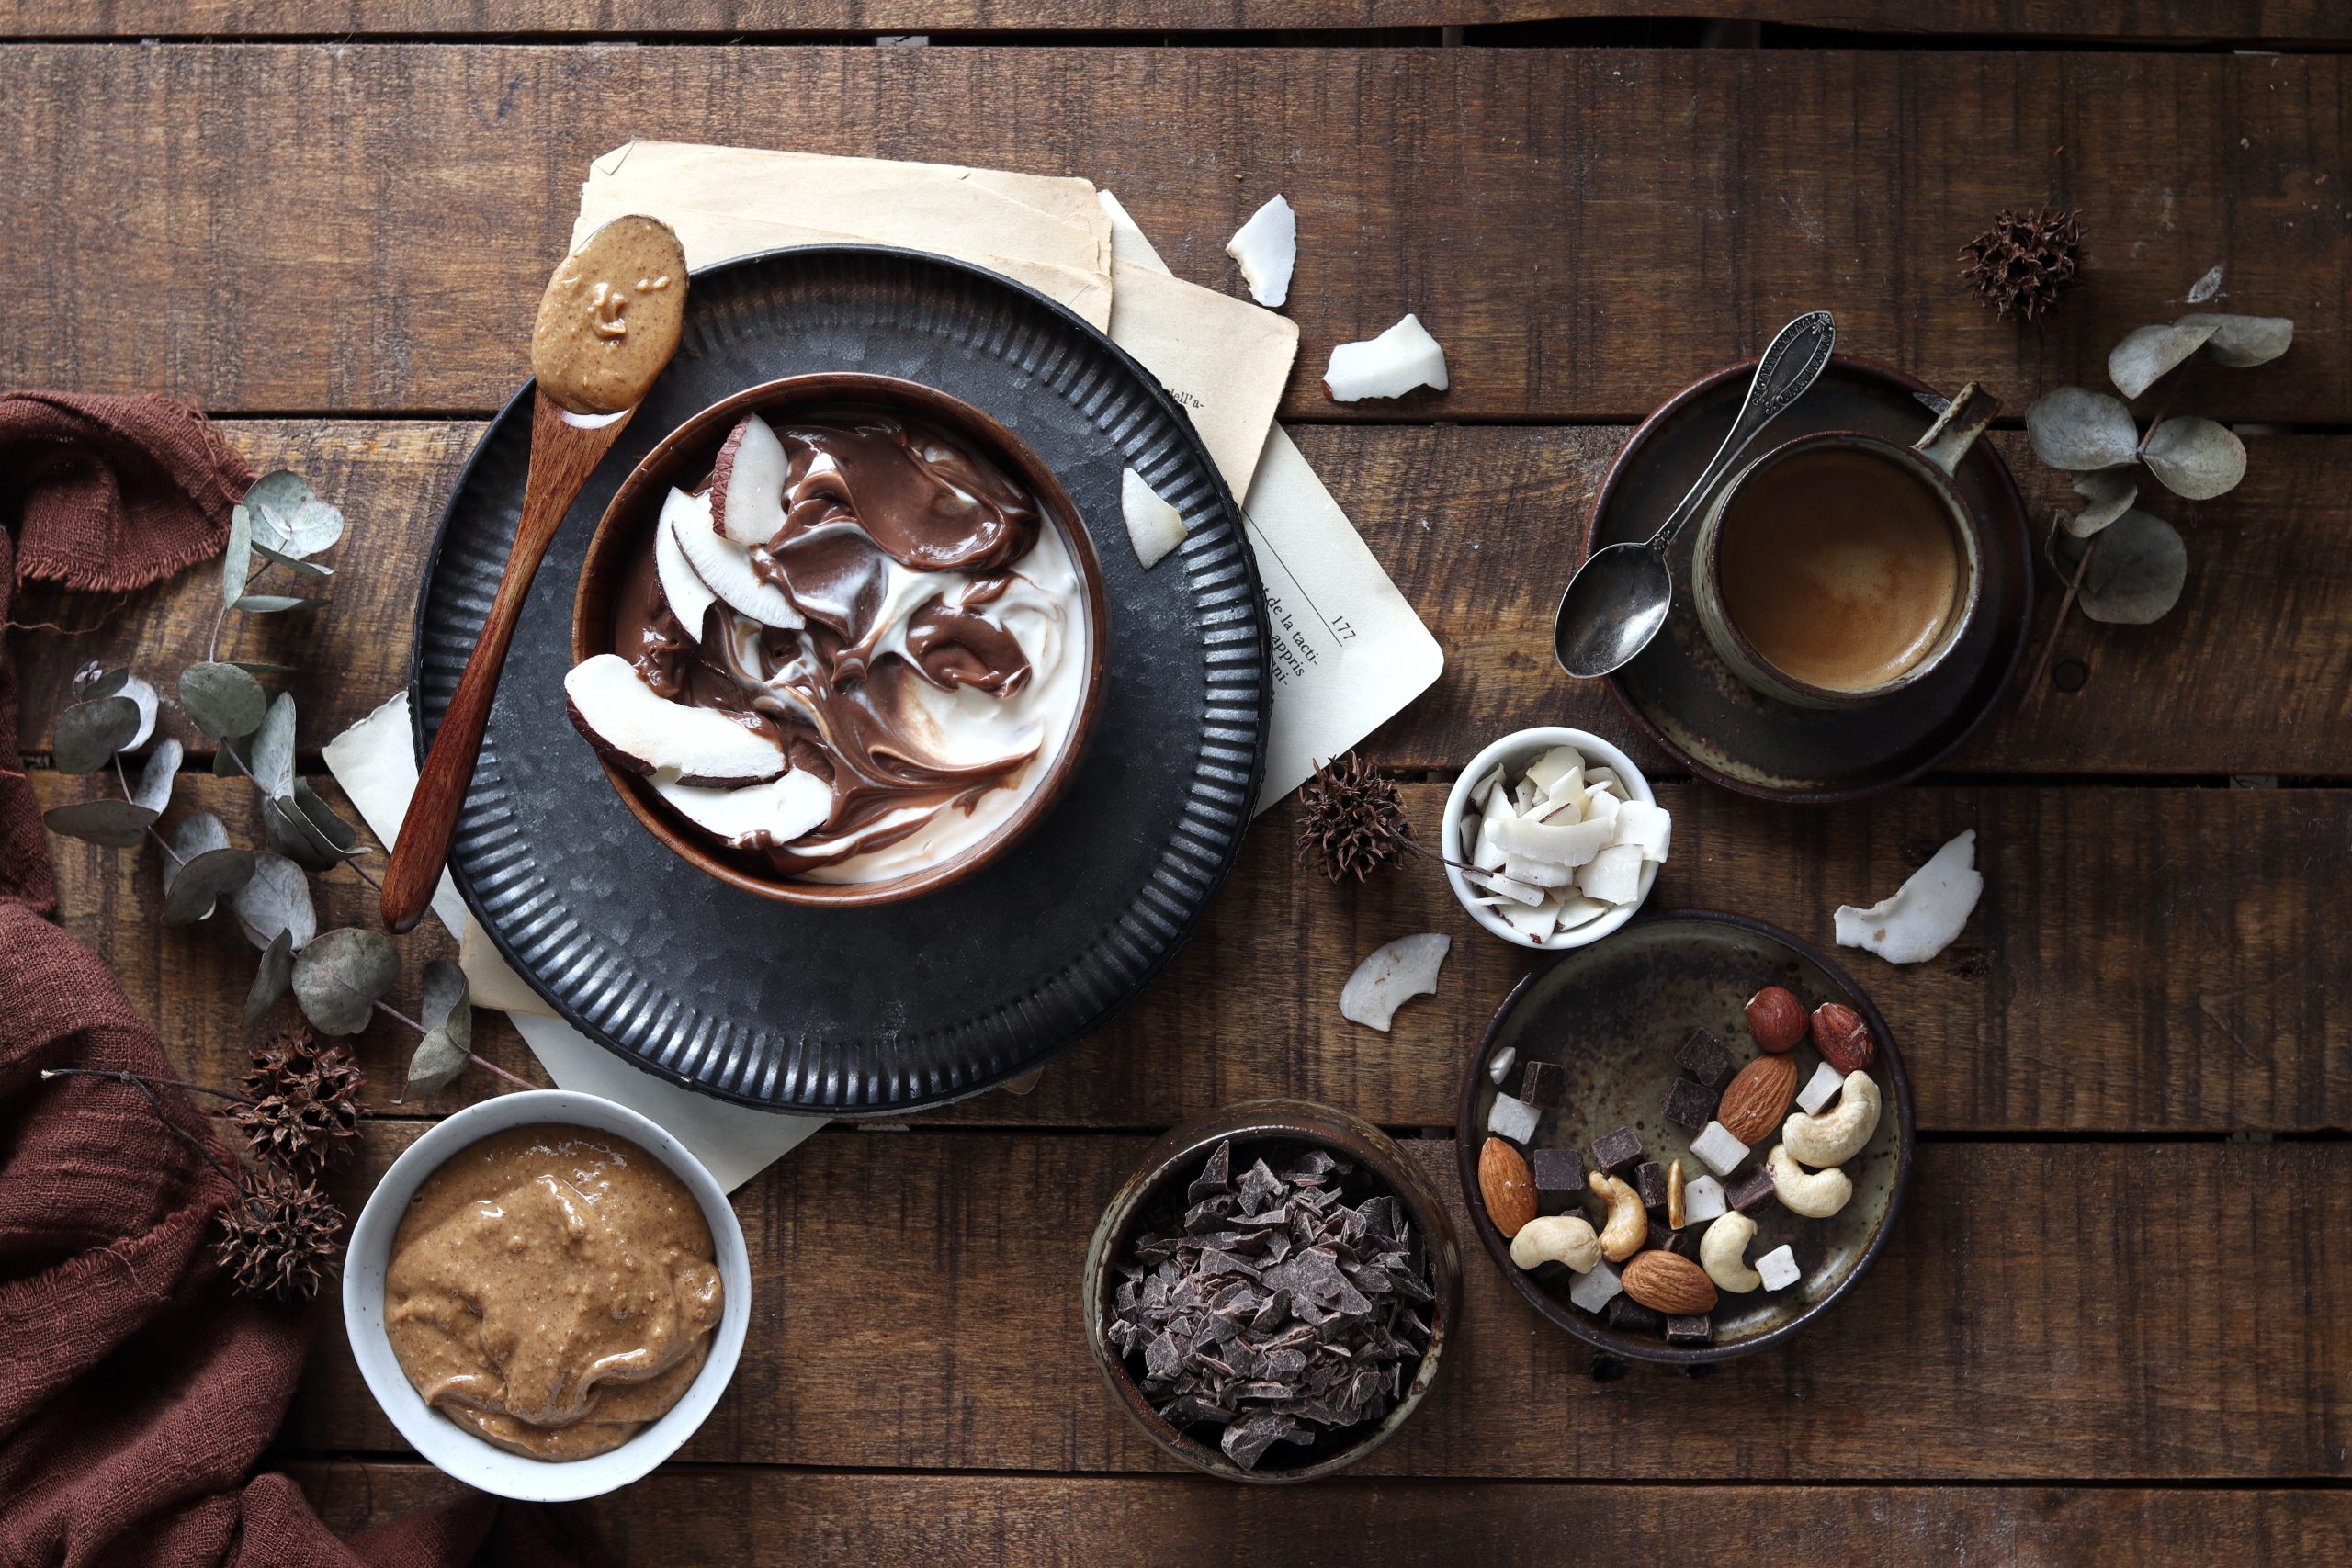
<point x="2113" y="1325"/>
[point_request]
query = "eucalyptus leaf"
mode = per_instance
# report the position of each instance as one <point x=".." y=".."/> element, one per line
<point x="293" y="835"/>
<point x="94" y="681"/>
<point x="274" y="603"/>
<point x="437" y="1064"/>
<point x="339" y="834"/>
<point x="296" y="563"/>
<point x="445" y="1006"/>
<point x="2205" y="287"/>
<point x="89" y="734"/>
<point x="2242" y="341"/>
<point x="272" y="979"/>
<point x="237" y="560"/>
<point x="142" y="695"/>
<point x="156" y="779"/>
<point x="339" y="975"/>
<point x="2072" y="428"/>
<point x="289" y="516"/>
<point x="225" y="702"/>
<point x="117" y="824"/>
<point x="197" y="833"/>
<point x="272" y="756"/>
<point x="2144" y="356"/>
<point x="2195" y="457"/>
<point x="2109" y="492"/>
<point x="2138" y="568"/>
<point x="254" y="667"/>
<point x="277" y="903"/>
<point x="194" y="888"/>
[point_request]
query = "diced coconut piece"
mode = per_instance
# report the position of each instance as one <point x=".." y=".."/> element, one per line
<point x="1509" y="887"/>
<point x="1154" y="527"/>
<point x="1403" y="357"/>
<point x="1702" y="1199"/>
<point x="688" y="595"/>
<point x="1820" y="1088"/>
<point x="1648" y="828"/>
<point x="1536" y="923"/>
<point x="640" y="730"/>
<point x="1391" y="975"/>
<point x="1500" y="1069"/>
<point x="1576" y="909"/>
<point x="1614" y="876"/>
<point x="1267" y="248"/>
<point x="1537" y="873"/>
<point x="1486" y="786"/>
<point x="747" y="483"/>
<point x="1513" y="1119"/>
<point x="1571" y="845"/>
<point x="1560" y="762"/>
<point x="1715" y="1148"/>
<point x="726" y="567"/>
<point x="1925" y="914"/>
<point x="1592" y="1291"/>
<point x="780" y="810"/>
<point x="1779" y="1267"/>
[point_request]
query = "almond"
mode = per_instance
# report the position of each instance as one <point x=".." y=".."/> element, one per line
<point x="1670" y="1283"/>
<point x="1776" y="1018"/>
<point x="1506" y="1184"/>
<point x="1842" y="1038"/>
<point x="1754" y="1102"/>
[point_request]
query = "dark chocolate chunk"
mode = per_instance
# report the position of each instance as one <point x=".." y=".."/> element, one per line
<point x="1624" y="1312"/>
<point x="1617" y="1151"/>
<point x="1696" y="1330"/>
<point x="1649" y="1181"/>
<point x="1676" y="1242"/>
<point x="1706" y="1058"/>
<point x="1750" y="1192"/>
<point x="1557" y="1170"/>
<point x="1689" y="1105"/>
<point x="1545" y="1084"/>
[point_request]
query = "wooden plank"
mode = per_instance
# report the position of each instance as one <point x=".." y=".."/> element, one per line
<point x="758" y="1517"/>
<point x="345" y="228"/>
<point x="2253" y="674"/>
<point x="2042" y="1311"/>
<point x="2145" y="960"/>
<point x="2175" y="20"/>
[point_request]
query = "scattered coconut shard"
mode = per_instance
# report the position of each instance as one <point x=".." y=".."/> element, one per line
<point x="1267" y="248"/>
<point x="639" y="729"/>
<point x="1403" y="357"/>
<point x="1925" y="913"/>
<point x="1154" y="527"/>
<point x="1392" y="975"/>
<point x="747" y="483"/>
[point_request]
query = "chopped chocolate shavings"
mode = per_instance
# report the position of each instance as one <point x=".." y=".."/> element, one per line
<point x="1270" y="1307"/>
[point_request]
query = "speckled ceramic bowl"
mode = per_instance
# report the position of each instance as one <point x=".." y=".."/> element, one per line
<point x="1256" y="1127"/>
<point x="1614" y="1015"/>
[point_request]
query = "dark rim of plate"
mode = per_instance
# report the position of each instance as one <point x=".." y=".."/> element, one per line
<point x="1468" y="1138"/>
<point x="1203" y="845"/>
<point x="1945" y="744"/>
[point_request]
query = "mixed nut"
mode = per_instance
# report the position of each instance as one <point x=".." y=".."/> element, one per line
<point x="1672" y="1244"/>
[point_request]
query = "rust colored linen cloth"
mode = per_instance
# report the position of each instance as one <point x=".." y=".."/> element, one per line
<point x="137" y="1392"/>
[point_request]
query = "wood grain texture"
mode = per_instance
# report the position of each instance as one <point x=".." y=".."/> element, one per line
<point x="2253" y="674"/>
<point x="780" y="1518"/>
<point x="268" y="228"/>
<point x="2143" y="961"/>
<point x="2043" y="1310"/>
<point x="2175" y="20"/>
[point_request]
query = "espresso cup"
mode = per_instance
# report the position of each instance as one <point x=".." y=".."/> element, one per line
<point x="1840" y="567"/>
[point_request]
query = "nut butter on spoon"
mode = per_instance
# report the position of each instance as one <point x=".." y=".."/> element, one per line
<point x="607" y="326"/>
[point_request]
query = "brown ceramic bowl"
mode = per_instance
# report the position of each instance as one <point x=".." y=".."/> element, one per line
<point x="1612" y="1016"/>
<point x="683" y="459"/>
<point x="1255" y="1126"/>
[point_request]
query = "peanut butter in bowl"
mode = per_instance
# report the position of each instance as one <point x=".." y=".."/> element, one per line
<point x="553" y="1290"/>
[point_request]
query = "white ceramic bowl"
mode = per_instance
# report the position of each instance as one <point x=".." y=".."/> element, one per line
<point x="1514" y="752"/>
<point x="459" y="1453"/>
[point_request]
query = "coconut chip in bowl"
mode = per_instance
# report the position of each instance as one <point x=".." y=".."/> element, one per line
<point x="1558" y="844"/>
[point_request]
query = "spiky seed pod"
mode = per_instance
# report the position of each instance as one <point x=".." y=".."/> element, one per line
<point x="2025" y="261"/>
<point x="278" y="1236"/>
<point x="306" y="1106"/>
<point x="1352" y="821"/>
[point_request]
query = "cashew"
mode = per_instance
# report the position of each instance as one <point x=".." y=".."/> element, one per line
<point x="1836" y="1136"/>
<point x="1720" y="1250"/>
<point x="1816" y="1195"/>
<point x="1555" y="1238"/>
<point x="1629" y="1222"/>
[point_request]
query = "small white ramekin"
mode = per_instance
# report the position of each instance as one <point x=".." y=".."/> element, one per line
<point x="458" y="1452"/>
<point x="1514" y="752"/>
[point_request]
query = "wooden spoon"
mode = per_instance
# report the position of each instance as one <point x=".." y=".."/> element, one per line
<point x="607" y="325"/>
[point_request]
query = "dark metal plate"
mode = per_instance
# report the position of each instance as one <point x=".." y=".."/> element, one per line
<point x="1614" y="1015"/>
<point x="860" y="1011"/>
<point x="1686" y="699"/>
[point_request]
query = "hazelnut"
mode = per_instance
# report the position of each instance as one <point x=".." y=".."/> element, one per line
<point x="1842" y="1038"/>
<point x="1776" y="1019"/>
